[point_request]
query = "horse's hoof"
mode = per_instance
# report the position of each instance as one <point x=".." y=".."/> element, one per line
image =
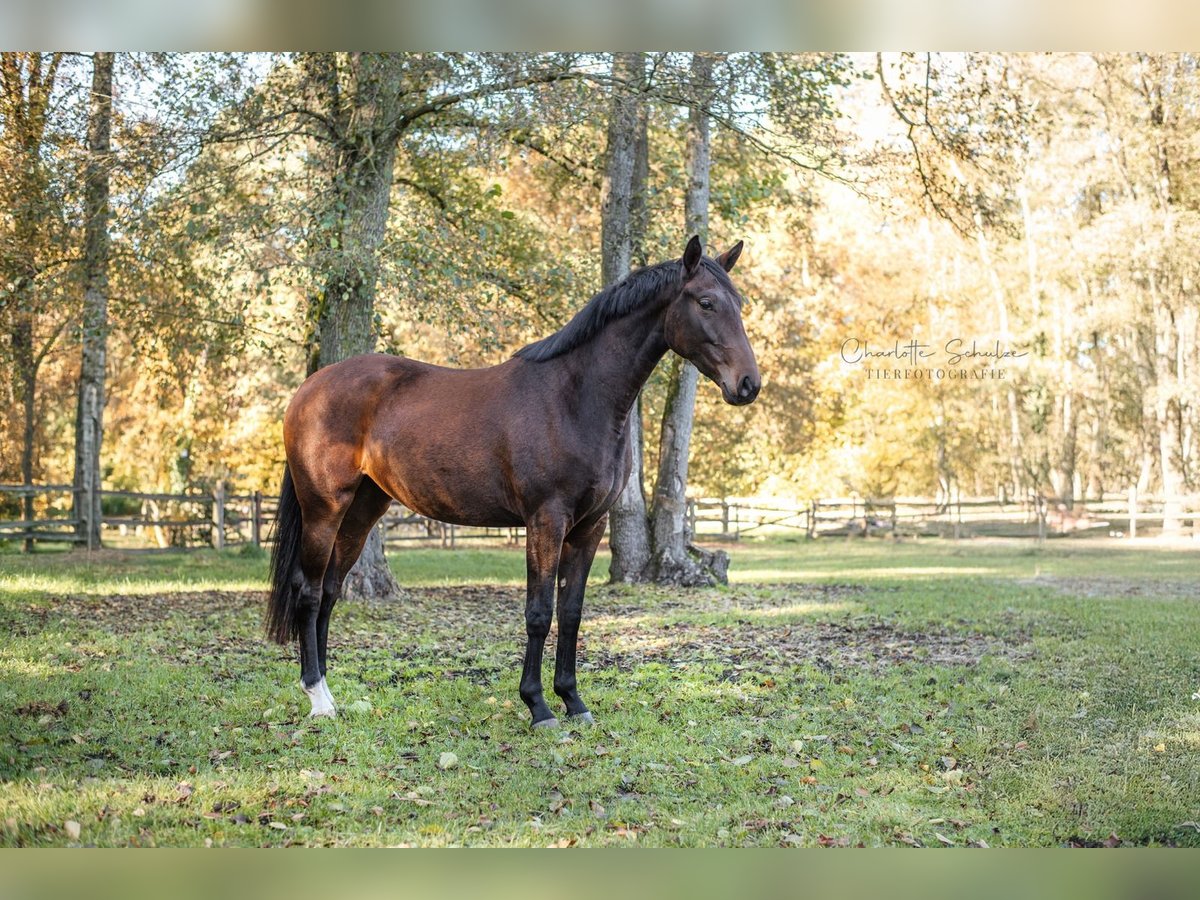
<point x="546" y="723"/>
<point x="584" y="718"/>
<point x="321" y="699"/>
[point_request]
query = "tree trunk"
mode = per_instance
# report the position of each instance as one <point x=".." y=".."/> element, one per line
<point x="629" y="536"/>
<point x="1167" y="418"/>
<point x="673" y="560"/>
<point x="343" y="312"/>
<point x="28" y="83"/>
<point x="89" y="411"/>
<point x="27" y="368"/>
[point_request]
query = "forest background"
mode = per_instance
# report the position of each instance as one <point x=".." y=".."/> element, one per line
<point x="176" y="231"/>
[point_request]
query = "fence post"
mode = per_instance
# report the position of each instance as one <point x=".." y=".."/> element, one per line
<point x="219" y="516"/>
<point x="1133" y="509"/>
<point x="256" y="520"/>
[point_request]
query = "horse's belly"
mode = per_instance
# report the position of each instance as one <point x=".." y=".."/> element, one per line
<point x="459" y="497"/>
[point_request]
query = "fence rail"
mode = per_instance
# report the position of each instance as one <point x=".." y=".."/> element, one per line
<point x="221" y="519"/>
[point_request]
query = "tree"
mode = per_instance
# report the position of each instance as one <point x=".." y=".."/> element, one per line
<point x="89" y="417"/>
<point x="629" y="535"/>
<point x="357" y="108"/>
<point x="670" y="560"/>
<point x="31" y="263"/>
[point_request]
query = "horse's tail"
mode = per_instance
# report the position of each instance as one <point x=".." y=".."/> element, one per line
<point x="283" y="608"/>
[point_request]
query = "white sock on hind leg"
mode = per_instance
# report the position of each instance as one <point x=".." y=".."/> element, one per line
<point x="321" y="699"/>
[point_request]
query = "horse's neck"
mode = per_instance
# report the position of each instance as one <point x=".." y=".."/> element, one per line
<point x="617" y="362"/>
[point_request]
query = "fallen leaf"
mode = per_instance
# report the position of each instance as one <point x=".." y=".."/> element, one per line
<point x="448" y="760"/>
<point x="1160" y="748"/>
<point x="742" y="760"/>
<point x="73" y="829"/>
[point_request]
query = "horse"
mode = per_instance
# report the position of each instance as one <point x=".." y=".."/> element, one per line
<point x="541" y="440"/>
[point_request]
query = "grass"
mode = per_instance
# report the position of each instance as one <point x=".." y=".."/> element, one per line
<point x="836" y="693"/>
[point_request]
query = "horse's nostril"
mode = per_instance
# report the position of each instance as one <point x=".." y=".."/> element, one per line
<point x="745" y="387"/>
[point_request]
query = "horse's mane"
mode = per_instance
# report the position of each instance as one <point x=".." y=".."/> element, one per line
<point x="615" y="301"/>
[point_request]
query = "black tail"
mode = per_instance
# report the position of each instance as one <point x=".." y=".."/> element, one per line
<point x="284" y="606"/>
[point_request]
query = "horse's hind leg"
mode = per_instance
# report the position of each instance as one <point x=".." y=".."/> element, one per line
<point x="369" y="504"/>
<point x="315" y="551"/>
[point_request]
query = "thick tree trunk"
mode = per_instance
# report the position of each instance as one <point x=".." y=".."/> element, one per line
<point x="89" y="411"/>
<point x="673" y="560"/>
<point x="347" y="328"/>
<point x="343" y="313"/>
<point x="629" y="536"/>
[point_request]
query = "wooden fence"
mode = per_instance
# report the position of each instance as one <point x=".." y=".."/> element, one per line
<point x="225" y="518"/>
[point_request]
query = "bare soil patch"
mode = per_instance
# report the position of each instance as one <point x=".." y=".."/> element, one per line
<point x="477" y="631"/>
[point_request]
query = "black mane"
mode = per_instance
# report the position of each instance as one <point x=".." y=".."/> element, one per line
<point x="616" y="300"/>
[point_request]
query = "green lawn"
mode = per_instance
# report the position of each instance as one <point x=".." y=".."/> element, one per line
<point x="931" y="693"/>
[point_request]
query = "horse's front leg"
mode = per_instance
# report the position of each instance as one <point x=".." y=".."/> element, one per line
<point x="543" y="546"/>
<point x="579" y="550"/>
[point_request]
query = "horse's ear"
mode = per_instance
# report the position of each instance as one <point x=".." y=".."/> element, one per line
<point x="730" y="256"/>
<point x="691" y="255"/>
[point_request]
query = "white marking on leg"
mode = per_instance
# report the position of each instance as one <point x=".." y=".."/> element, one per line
<point x="328" y="696"/>
<point x="322" y="702"/>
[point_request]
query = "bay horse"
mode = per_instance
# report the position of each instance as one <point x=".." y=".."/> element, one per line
<point x="540" y="440"/>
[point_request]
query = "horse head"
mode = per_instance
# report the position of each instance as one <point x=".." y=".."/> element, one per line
<point x="704" y="324"/>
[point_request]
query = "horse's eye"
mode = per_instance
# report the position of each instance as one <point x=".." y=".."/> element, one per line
<point x="706" y="303"/>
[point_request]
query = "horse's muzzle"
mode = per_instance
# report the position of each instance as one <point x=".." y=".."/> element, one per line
<point x="747" y="391"/>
